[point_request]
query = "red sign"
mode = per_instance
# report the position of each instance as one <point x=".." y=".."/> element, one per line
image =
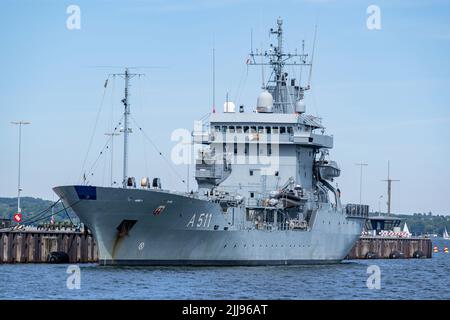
<point x="17" y="217"/>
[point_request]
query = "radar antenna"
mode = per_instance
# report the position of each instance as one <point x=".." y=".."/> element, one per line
<point x="277" y="84"/>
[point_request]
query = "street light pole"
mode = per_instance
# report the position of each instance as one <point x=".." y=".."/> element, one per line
<point x="360" y="180"/>
<point x="19" y="123"/>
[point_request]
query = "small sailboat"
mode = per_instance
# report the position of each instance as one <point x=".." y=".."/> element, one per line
<point x="406" y="232"/>
<point x="445" y="234"/>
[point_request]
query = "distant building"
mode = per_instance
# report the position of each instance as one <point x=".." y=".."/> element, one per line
<point x="5" y="223"/>
<point x="385" y="226"/>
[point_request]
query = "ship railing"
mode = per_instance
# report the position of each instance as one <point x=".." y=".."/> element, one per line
<point x="252" y="202"/>
<point x="357" y="210"/>
<point x="209" y="171"/>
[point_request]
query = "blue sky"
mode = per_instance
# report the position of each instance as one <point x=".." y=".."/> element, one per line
<point x="383" y="94"/>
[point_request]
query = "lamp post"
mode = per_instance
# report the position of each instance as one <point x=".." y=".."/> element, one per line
<point x="20" y="124"/>
<point x="360" y="180"/>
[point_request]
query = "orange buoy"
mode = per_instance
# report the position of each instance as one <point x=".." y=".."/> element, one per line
<point x="435" y="249"/>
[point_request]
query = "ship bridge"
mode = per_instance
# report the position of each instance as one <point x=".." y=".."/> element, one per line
<point x="230" y="127"/>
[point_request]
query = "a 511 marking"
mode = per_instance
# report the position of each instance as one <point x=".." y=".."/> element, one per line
<point x="203" y="220"/>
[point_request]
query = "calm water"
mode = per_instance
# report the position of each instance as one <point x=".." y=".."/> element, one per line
<point x="400" y="279"/>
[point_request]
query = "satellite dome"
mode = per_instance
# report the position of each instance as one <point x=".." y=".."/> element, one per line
<point x="300" y="106"/>
<point x="264" y="102"/>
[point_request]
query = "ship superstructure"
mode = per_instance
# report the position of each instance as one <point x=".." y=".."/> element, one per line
<point x="265" y="189"/>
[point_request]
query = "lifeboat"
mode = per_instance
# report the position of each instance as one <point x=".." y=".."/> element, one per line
<point x="328" y="169"/>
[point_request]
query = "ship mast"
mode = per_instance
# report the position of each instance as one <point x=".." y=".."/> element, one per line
<point x="278" y="64"/>
<point x="278" y="59"/>
<point x="389" y="189"/>
<point x="126" y="113"/>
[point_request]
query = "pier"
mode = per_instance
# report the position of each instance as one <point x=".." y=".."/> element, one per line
<point x="378" y="247"/>
<point x="37" y="246"/>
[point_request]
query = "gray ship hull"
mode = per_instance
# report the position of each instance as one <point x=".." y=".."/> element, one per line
<point x="164" y="228"/>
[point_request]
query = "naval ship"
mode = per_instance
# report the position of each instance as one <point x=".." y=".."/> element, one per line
<point x="265" y="191"/>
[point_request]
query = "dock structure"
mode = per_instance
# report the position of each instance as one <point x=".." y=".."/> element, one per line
<point x="378" y="247"/>
<point x="36" y="246"/>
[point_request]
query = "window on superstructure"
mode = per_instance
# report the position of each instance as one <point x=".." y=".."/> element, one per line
<point x="224" y="129"/>
<point x="260" y="129"/>
<point x="269" y="149"/>
<point x="235" y="148"/>
<point x="217" y="128"/>
<point x="251" y="172"/>
<point x="275" y="130"/>
<point x="245" y="129"/>
<point x="282" y="130"/>
<point x="252" y="194"/>
<point x="246" y="147"/>
<point x="253" y="129"/>
<point x="267" y="129"/>
<point x="231" y="129"/>
<point x="289" y="130"/>
<point x="239" y="129"/>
